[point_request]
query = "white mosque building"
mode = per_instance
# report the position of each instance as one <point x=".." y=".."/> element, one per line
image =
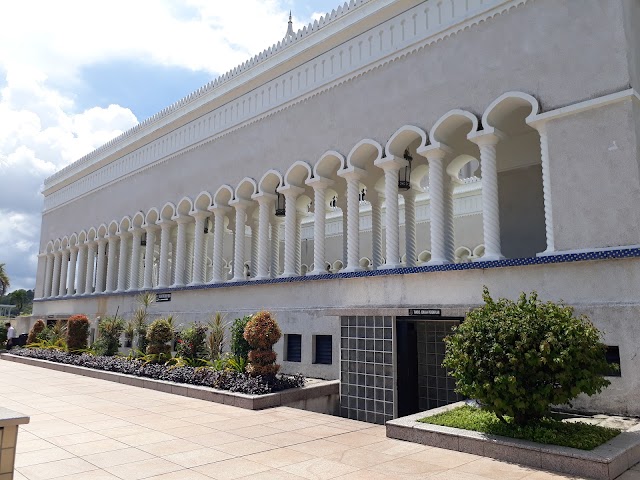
<point x="363" y="178"/>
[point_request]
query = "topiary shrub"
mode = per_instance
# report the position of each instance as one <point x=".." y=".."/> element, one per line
<point x="110" y="330"/>
<point x="239" y="346"/>
<point x="519" y="358"/>
<point x="192" y="342"/>
<point x="262" y="332"/>
<point x="36" y="330"/>
<point x="159" y="334"/>
<point x="77" y="333"/>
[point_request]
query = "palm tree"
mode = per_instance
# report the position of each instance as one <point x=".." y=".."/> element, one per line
<point x="4" y="280"/>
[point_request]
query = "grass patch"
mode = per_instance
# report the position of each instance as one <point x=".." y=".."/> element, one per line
<point x="549" y="430"/>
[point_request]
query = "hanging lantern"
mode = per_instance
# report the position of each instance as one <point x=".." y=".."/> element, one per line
<point x="334" y="202"/>
<point x="404" y="177"/>
<point x="280" y="204"/>
<point x="143" y="239"/>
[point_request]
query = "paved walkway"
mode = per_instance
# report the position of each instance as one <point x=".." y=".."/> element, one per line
<point x="83" y="428"/>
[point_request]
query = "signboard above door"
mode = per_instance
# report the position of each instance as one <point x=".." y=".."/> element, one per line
<point x="431" y="312"/>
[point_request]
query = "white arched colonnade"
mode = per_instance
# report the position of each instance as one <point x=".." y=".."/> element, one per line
<point x="167" y="247"/>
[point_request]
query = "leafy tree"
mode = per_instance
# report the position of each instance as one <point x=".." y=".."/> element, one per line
<point x="20" y="298"/>
<point x="4" y="280"/>
<point x="519" y="358"/>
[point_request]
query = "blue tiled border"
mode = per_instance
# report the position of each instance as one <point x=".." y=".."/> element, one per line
<point x="511" y="262"/>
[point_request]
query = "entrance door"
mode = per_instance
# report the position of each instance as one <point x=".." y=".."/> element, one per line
<point x="422" y="381"/>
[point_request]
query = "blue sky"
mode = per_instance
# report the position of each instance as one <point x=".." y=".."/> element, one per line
<point x="73" y="78"/>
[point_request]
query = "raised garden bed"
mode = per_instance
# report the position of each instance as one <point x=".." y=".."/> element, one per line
<point x="317" y="395"/>
<point x="605" y="462"/>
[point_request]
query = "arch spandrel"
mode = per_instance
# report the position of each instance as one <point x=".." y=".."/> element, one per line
<point x="329" y="164"/>
<point x="404" y="137"/>
<point x="138" y="220"/>
<point x="271" y="180"/>
<point x="297" y="174"/>
<point x="454" y="123"/>
<point x="203" y="202"/>
<point x="503" y="110"/>
<point x="245" y="189"/>
<point x="223" y="196"/>
<point x="151" y="217"/>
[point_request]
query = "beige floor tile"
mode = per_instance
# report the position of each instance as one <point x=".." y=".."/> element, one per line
<point x="188" y="430"/>
<point x="246" y="446"/>
<point x="169" y="447"/>
<point x="443" y="457"/>
<point x="320" y="431"/>
<point x="371" y="474"/>
<point x="397" y="448"/>
<point x="183" y="474"/>
<point x="41" y="456"/>
<point x="65" y="440"/>
<point x="143" y="469"/>
<point x="25" y="436"/>
<point x="25" y="446"/>
<point x="120" y="432"/>
<point x="117" y="457"/>
<point x="57" y="469"/>
<point x="55" y="428"/>
<point x="145" y="438"/>
<point x="319" y="448"/>
<point x="490" y="468"/>
<point x="18" y="476"/>
<point x="359" y="457"/>
<point x="293" y="424"/>
<point x="90" y="475"/>
<point x="319" y="468"/>
<point x="214" y="439"/>
<point x="256" y="431"/>
<point x="284" y="439"/>
<point x="356" y="439"/>
<point x="195" y="458"/>
<point x="279" y="458"/>
<point x="105" y="424"/>
<point x="231" y="469"/>
<point x="273" y="475"/>
<point x="406" y="466"/>
<point x="98" y="446"/>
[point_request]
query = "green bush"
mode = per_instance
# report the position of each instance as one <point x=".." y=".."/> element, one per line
<point x="239" y="346"/>
<point x="262" y="332"/>
<point x="159" y="334"/>
<point x="110" y="329"/>
<point x="519" y="358"/>
<point x="3" y="334"/>
<point x="191" y="342"/>
<point x="215" y="339"/>
<point x="77" y="333"/>
<point x="36" y="330"/>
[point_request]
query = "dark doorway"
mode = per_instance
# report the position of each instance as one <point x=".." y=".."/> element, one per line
<point x="422" y="381"/>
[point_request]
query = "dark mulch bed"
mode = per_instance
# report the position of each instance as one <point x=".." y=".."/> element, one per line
<point x="223" y="380"/>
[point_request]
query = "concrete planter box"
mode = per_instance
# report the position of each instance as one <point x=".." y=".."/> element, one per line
<point x="320" y="396"/>
<point x="9" y="424"/>
<point x="606" y="462"/>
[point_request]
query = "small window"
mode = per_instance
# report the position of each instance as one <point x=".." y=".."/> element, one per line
<point x="294" y="348"/>
<point x="612" y="356"/>
<point x="324" y="349"/>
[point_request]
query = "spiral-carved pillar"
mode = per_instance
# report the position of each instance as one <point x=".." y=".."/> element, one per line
<point x="265" y="202"/>
<point x="64" y="268"/>
<point x="410" y="227"/>
<point x="112" y="267"/>
<point x="218" y="243"/>
<point x="92" y="249"/>
<point x="48" y="275"/>
<point x="238" y="258"/>
<point x="134" y="265"/>
<point x="290" y="226"/>
<point x="274" y="270"/>
<point x="81" y="276"/>
<point x="123" y="261"/>
<point x="353" y="178"/>
<point x="101" y="276"/>
<point x="319" y="223"/>
<point x="199" y="249"/>
<point x="165" y="245"/>
<point x="71" y="278"/>
<point x="546" y="187"/>
<point x="376" y="231"/>
<point x="438" y="205"/>
<point x="391" y="167"/>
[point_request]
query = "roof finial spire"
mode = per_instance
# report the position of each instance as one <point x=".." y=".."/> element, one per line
<point x="290" y="28"/>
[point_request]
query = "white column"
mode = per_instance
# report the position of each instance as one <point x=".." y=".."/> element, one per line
<point x="188" y="272"/>
<point x="64" y="268"/>
<point x="200" y="248"/>
<point x="218" y="243"/>
<point x="111" y="264"/>
<point x="290" y="224"/>
<point x="490" y="203"/>
<point x="123" y="261"/>
<point x="438" y="206"/>
<point x="55" y="282"/>
<point x="342" y="205"/>
<point x="149" y="252"/>
<point x="48" y="275"/>
<point x="71" y="279"/>
<point x="410" y="227"/>
<point x="376" y="230"/>
<point x="238" y="254"/>
<point x="274" y="270"/>
<point x="101" y="284"/>
<point x="265" y="202"/>
<point x="81" y="277"/>
<point x="165" y="244"/>
<point x="391" y="166"/>
<point x="253" y="268"/>
<point x="546" y="186"/>
<point x="92" y="248"/>
<point x="299" y="218"/>
<point x="180" y="257"/>
<point x="319" y="223"/>
<point x="134" y="265"/>
<point x="353" y="178"/>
